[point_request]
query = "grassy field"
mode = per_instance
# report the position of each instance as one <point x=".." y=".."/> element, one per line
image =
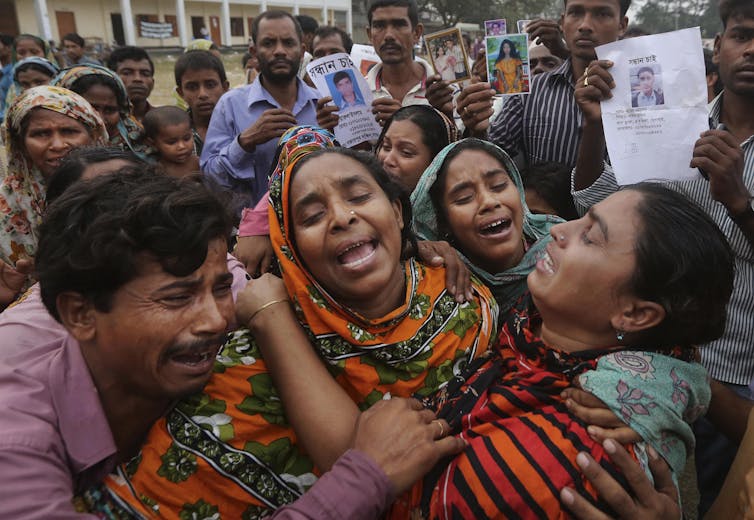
<point x="164" y="80"/>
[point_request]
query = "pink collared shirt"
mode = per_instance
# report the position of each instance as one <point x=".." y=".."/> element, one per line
<point x="54" y="436"/>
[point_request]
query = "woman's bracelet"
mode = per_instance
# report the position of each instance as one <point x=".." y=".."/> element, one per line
<point x="263" y="307"/>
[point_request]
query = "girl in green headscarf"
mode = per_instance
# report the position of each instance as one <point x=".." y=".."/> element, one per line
<point x="110" y="99"/>
<point x="24" y="46"/>
<point x="472" y="196"/>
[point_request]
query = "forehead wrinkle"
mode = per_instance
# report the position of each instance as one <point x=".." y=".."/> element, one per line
<point x="495" y="171"/>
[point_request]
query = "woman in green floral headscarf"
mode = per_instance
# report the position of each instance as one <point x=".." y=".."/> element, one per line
<point x="125" y="132"/>
<point x="472" y="196"/>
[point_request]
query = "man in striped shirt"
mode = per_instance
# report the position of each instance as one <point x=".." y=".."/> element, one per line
<point x="545" y="125"/>
<point x="726" y="155"/>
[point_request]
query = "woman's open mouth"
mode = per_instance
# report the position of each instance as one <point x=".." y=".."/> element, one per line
<point x="357" y="253"/>
<point x="496" y="228"/>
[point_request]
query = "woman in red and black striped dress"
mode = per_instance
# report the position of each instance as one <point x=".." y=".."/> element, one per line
<point x="616" y="303"/>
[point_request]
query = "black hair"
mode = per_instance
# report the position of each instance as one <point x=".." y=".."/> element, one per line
<point x="514" y="50"/>
<point x="74" y="38"/>
<point x="633" y="31"/>
<point x="735" y="8"/>
<point x="32" y="66"/>
<point x="437" y="190"/>
<point x="160" y="117"/>
<point x="622" y="4"/>
<point x="82" y="85"/>
<point x="684" y="263"/>
<point x="325" y="31"/>
<point x="308" y="24"/>
<point x="392" y="189"/>
<point x="73" y="165"/>
<point x="245" y="59"/>
<point x="434" y="134"/>
<point x="198" y="60"/>
<point x="94" y="238"/>
<point x="413" y="10"/>
<point x="6" y="39"/>
<point x="710" y="67"/>
<point x="39" y="42"/>
<point x="340" y="75"/>
<point x="645" y="69"/>
<point x="552" y="182"/>
<point x="275" y="15"/>
<point x="128" y="53"/>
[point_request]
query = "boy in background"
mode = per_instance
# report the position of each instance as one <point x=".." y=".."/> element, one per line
<point x="201" y="81"/>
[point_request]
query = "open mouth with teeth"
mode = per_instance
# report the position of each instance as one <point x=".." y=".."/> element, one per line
<point x="546" y="263"/>
<point x="495" y="228"/>
<point x="193" y="358"/>
<point x="357" y="253"/>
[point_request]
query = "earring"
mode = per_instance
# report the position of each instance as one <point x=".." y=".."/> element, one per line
<point x="619" y="335"/>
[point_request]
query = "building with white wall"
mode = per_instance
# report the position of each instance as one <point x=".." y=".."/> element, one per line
<point x="119" y="21"/>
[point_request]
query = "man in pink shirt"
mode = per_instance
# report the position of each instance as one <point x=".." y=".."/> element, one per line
<point x="133" y="268"/>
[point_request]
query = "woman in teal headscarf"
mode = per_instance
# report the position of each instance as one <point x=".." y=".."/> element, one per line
<point x="24" y="46"/>
<point x="472" y="196"/>
<point x="34" y="72"/>
<point x="125" y="132"/>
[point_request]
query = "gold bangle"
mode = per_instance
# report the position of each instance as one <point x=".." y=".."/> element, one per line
<point x="263" y="307"/>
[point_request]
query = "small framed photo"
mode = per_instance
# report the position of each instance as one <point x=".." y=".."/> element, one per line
<point x="495" y="27"/>
<point x="521" y="25"/>
<point x="448" y="55"/>
<point x="508" y="63"/>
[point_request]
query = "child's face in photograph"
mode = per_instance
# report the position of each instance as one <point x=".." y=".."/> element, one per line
<point x="202" y="89"/>
<point x="175" y="143"/>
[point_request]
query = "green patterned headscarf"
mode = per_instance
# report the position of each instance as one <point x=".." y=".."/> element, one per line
<point x="508" y="285"/>
<point x="129" y="135"/>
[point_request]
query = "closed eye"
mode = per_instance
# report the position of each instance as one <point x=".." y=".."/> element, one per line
<point x="223" y="289"/>
<point x="176" y="300"/>
<point x="360" y="199"/>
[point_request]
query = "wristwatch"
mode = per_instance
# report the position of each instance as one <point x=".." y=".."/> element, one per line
<point x="744" y="215"/>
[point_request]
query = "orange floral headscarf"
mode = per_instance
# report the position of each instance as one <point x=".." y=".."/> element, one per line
<point x="229" y="450"/>
<point x="413" y="349"/>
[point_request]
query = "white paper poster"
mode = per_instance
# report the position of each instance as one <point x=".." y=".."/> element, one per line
<point x="336" y="76"/>
<point x="364" y="57"/>
<point x="659" y="105"/>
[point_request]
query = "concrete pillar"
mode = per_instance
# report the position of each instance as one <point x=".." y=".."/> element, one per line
<point x="225" y="23"/>
<point x="43" y="19"/>
<point x="296" y="10"/>
<point x="263" y="6"/>
<point x="324" y="13"/>
<point x="128" y="22"/>
<point x="349" y="20"/>
<point x="180" y="15"/>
